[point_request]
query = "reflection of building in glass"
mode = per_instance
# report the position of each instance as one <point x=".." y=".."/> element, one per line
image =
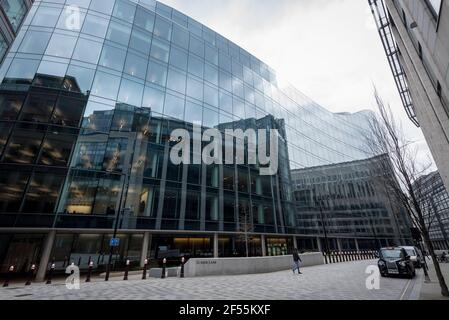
<point x="12" y="13"/>
<point x="349" y="201"/>
<point x="435" y="200"/>
<point x="85" y="119"/>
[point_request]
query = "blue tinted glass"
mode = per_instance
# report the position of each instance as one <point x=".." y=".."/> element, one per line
<point x="140" y="41"/>
<point x="174" y="107"/>
<point x="210" y="118"/>
<point x="102" y="6"/>
<point x="106" y="85"/>
<point x="67" y="20"/>
<point x="157" y="73"/>
<point x="193" y="113"/>
<point x="237" y="88"/>
<point x="82" y="78"/>
<point x="153" y="99"/>
<point x="211" y="74"/>
<point x="144" y="19"/>
<point x="22" y="69"/>
<point x="196" y="66"/>
<point x="130" y="93"/>
<point x="225" y="102"/>
<point x="239" y="108"/>
<point x="61" y="46"/>
<point x="46" y="16"/>
<point x="211" y="95"/>
<point x="225" y="81"/>
<point x="212" y="55"/>
<point x="112" y="57"/>
<point x="194" y="88"/>
<point x="178" y="58"/>
<point x="95" y="26"/>
<point x="160" y="50"/>
<point x="35" y="42"/>
<point x="162" y="29"/>
<point x="79" y="3"/>
<point x="196" y="46"/>
<point x="119" y="33"/>
<point x="176" y="81"/>
<point x="136" y="66"/>
<point x="87" y="51"/>
<point x="180" y="37"/>
<point x="124" y="10"/>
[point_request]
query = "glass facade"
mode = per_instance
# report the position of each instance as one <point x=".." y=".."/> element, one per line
<point x="86" y="113"/>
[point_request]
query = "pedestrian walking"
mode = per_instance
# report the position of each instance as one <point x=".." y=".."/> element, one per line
<point x="296" y="261"/>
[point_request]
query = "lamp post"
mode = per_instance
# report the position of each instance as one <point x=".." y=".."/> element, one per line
<point x="116" y="225"/>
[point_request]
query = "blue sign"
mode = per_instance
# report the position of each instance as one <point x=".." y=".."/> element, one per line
<point x="115" y="242"/>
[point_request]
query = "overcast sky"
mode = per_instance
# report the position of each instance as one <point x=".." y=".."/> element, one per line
<point x="328" y="49"/>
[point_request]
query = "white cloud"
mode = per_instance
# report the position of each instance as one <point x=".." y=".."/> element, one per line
<point x="328" y="49"/>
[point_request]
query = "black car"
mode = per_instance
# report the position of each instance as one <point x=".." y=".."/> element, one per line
<point x="395" y="261"/>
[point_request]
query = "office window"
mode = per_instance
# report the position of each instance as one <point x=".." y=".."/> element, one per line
<point x="140" y="41"/>
<point x="144" y="19"/>
<point x="56" y="149"/>
<point x="113" y="58"/>
<point x="66" y="21"/>
<point x="102" y="6"/>
<point x="106" y="85"/>
<point x="194" y="88"/>
<point x="12" y="186"/>
<point x="87" y="51"/>
<point x="136" y="65"/>
<point x="119" y="33"/>
<point x="38" y="108"/>
<point x="68" y="112"/>
<point x="124" y="10"/>
<point x="35" y="42"/>
<point x="157" y="73"/>
<point x="10" y="106"/>
<point x="15" y="10"/>
<point x="176" y="81"/>
<point x="61" y="46"/>
<point x="153" y="99"/>
<point x="174" y="107"/>
<point x="23" y="146"/>
<point x="162" y="29"/>
<point x="193" y="114"/>
<point x="196" y="46"/>
<point x="79" y="79"/>
<point x="160" y="50"/>
<point x="95" y="26"/>
<point x="48" y="184"/>
<point x="178" y="58"/>
<point x="180" y="37"/>
<point x="131" y="93"/>
<point x="22" y="71"/>
<point x="196" y="66"/>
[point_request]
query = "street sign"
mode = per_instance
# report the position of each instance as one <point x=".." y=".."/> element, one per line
<point x="115" y="242"/>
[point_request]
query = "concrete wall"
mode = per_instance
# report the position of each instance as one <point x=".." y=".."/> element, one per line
<point x="236" y="266"/>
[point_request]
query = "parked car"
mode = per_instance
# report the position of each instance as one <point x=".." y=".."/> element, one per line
<point x="395" y="261"/>
<point x="416" y="256"/>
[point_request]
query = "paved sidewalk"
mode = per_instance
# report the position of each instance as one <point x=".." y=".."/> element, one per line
<point x="431" y="290"/>
<point x="343" y="281"/>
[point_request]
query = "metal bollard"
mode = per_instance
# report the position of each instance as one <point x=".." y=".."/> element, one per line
<point x="164" y="263"/>
<point x="126" y="270"/>
<point x="325" y="257"/>
<point x="9" y="276"/>
<point x="183" y="260"/>
<point x="89" y="270"/>
<point x="31" y="275"/>
<point x="144" y="272"/>
<point x="50" y="273"/>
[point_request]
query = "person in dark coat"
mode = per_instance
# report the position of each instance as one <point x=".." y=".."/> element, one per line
<point x="296" y="261"/>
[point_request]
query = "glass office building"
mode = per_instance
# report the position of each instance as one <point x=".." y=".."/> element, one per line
<point x="90" y="93"/>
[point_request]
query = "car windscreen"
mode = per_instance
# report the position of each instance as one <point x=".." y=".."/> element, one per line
<point x="391" y="254"/>
<point x="411" y="252"/>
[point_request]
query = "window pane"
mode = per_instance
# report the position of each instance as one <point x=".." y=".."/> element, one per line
<point x="124" y="10"/>
<point x="194" y="88"/>
<point x="211" y="74"/>
<point x="48" y="184"/>
<point x="68" y="22"/>
<point x="38" y="108"/>
<point x="180" y="37"/>
<point x="10" y="106"/>
<point x="226" y="102"/>
<point x="22" y="71"/>
<point x="174" y="107"/>
<point x="153" y="99"/>
<point x="61" y="46"/>
<point x="211" y="95"/>
<point x="87" y="51"/>
<point x="131" y="93"/>
<point x="140" y="41"/>
<point x="46" y="17"/>
<point x="210" y="118"/>
<point x="144" y="19"/>
<point x="113" y="58"/>
<point x="176" y="81"/>
<point x="24" y="146"/>
<point x="196" y="66"/>
<point x="157" y="73"/>
<point x="119" y="33"/>
<point x="68" y="112"/>
<point x="136" y="66"/>
<point x="194" y="113"/>
<point x="196" y="46"/>
<point x="178" y="58"/>
<point x="56" y="149"/>
<point x="160" y="50"/>
<point x="162" y="29"/>
<point x="79" y="79"/>
<point x="102" y="6"/>
<point x="35" y="42"/>
<point x="212" y="55"/>
<point x="5" y="130"/>
<point x="95" y="26"/>
<point x="106" y="85"/>
<point x="12" y="186"/>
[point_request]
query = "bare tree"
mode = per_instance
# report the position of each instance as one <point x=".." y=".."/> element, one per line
<point x="386" y="137"/>
<point x="245" y="225"/>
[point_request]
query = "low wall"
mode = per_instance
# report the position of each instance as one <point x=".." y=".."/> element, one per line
<point x="236" y="266"/>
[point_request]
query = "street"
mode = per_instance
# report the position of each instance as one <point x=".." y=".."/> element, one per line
<point x="343" y="281"/>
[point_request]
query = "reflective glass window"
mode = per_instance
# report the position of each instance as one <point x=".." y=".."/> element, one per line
<point x="12" y="187"/>
<point x="68" y="111"/>
<point x="119" y="32"/>
<point x="124" y="10"/>
<point x="157" y="73"/>
<point x="48" y="184"/>
<point x="38" y="108"/>
<point x="106" y="85"/>
<point x="178" y="58"/>
<point x="5" y="130"/>
<point x="211" y="74"/>
<point x="71" y="20"/>
<point x="153" y="99"/>
<point x="160" y="50"/>
<point x="112" y="57"/>
<point x="35" y="42"/>
<point x="237" y="69"/>
<point x="136" y="65"/>
<point x="196" y="46"/>
<point x="176" y="81"/>
<point x="79" y="79"/>
<point x="56" y="149"/>
<point x="140" y="41"/>
<point x="210" y="118"/>
<point x="87" y="51"/>
<point x="226" y="102"/>
<point x="238" y="108"/>
<point x="80" y="3"/>
<point x="211" y="95"/>
<point x="180" y="37"/>
<point x="162" y="28"/>
<point x="194" y="88"/>
<point x="49" y="68"/>
<point x="249" y="94"/>
<point x="212" y="55"/>
<point x="174" y="107"/>
<point x="196" y="66"/>
<point x="144" y="19"/>
<point x="95" y="26"/>
<point x="224" y="62"/>
<point x="225" y="81"/>
<point x="23" y="146"/>
<point x="131" y="93"/>
<point x="237" y="88"/>
<point x="10" y="105"/>
<point x="22" y="70"/>
<point x="102" y="6"/>
<point x="61" y="46"/>
<point x="194" y="113"/>
<point x="46" y="17"/>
